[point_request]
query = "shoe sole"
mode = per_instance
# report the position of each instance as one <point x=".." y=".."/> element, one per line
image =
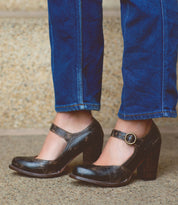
<point x="37" y="175"/>
<point x="102" y="183"/>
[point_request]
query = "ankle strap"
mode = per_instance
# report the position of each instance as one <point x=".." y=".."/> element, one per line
<point x="129" y="138"/>
<point x="59" y="131"/>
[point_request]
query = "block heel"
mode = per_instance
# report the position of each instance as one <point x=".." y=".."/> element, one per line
<point x="148" y="169"/>
<point x="93" y="151"/>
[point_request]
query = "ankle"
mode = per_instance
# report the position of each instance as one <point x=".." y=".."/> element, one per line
<point x="74" y="120"/>
<point x="77" y="115"/>
<point x="139" y="127"/>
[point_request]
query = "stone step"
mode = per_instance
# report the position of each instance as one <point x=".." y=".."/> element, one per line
<point x="27" y="5"/>
<point x="44" y="13"/>
<point x="26" y="87"/>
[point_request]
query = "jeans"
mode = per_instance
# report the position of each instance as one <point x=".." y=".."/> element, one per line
<point x="149" y="57"/>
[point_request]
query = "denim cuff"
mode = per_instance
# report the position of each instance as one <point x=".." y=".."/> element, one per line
<point x="144" y="116"/>
<point x="75" y="107"/>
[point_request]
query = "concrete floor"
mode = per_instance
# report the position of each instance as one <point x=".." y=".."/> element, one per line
<point x="20" y="190"/>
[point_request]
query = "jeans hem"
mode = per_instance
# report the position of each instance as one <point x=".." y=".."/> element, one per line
<point x="75" y="107"/>
<point x="144" y="116"/>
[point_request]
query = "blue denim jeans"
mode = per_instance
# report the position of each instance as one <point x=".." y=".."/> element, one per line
<point x="149" y="57"/>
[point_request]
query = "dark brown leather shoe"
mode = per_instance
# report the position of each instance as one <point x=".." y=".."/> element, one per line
<point x="89" y="141"/>
<point x="144" y="159"/>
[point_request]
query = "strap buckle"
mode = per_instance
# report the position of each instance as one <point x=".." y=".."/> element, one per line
<point x="130" y="138"/>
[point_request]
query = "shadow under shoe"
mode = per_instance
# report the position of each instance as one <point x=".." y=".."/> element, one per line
<point x="89" y="141"/>
<point x="144" y="159"/>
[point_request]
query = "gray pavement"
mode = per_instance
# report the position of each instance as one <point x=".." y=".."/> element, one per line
<point x="20" y="190"/>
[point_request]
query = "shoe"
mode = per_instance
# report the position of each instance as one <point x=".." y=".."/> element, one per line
<point x="89" y="141"/>
<point x="144" y="159"/>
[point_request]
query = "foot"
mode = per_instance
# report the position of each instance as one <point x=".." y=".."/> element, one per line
<point x="74" y="121"/>
<point x="116" y="151"/>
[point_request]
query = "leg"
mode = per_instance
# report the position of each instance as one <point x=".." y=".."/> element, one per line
<point x="149" y="91"/>
<point x="149" y="59"/>
<point x="149" y="72"/>
<point x="76" y="38"/>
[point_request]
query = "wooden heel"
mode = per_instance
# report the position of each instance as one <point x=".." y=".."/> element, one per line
<point x="148" y="169"/>
<point x="93" y="151"/>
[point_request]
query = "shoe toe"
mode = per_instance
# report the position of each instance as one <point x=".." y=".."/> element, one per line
<point x="22" y="162"/>
<point x="17" y="162"/>
<point x="84" y="171"/>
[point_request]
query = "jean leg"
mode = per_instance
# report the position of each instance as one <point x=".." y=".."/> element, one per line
<point x="149" y="59"/>
<point x="77" y="47"/>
